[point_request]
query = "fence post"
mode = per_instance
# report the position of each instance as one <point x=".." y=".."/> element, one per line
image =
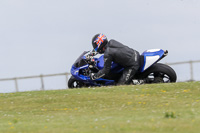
<point x="67" y="80"/>
<point x="42" y="82"/>
<point x="16" y="85"/>
<point x="191" y="71"/>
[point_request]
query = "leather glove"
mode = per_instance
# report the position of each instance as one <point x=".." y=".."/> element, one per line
<point x="92" y="77"/>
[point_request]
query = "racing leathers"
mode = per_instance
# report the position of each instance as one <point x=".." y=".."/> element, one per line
<point x="124" y="56"/>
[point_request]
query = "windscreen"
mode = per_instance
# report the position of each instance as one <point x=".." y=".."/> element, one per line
<point x="80" y="61"/>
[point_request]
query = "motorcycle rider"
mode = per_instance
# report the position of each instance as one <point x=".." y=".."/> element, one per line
<point x="115" y="51"/>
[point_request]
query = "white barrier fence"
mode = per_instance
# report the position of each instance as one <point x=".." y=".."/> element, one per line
<point x="190" y="63"/>
<point x="16" y="79"/>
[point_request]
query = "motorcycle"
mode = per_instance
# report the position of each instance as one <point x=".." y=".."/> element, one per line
<point x="150" y="70"/>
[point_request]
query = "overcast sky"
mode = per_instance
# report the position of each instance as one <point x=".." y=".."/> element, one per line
<point x="46" y="36"/>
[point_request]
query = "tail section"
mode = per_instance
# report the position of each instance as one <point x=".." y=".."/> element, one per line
<point x="150" y="57"/>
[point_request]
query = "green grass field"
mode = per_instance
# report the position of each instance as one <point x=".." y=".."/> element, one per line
<point x="164" y="108"/>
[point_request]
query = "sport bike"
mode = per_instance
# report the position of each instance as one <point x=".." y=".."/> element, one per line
<point x="150" y="70"/>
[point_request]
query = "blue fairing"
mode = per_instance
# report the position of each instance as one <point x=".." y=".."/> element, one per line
<point x="115" y="68"/>
<point x="75" y="73"/>
<point x="100" y="63"/>
<point x="86" y="79"/>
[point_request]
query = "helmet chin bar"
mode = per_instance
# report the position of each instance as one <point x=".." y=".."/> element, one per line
<point x="102" y="50"/>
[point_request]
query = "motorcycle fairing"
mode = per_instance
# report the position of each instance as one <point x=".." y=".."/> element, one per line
<point x="100" y="63"/>
<point x="86" y="79"/>
<point x="115" y="68"/>
<point x="150" y="57"/>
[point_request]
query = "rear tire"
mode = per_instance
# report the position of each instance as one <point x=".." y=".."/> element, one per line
<point x="74" y="83"/>
<point x="160" y="73"/>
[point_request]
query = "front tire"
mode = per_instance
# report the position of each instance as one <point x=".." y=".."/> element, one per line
<point x="160" y="73"/>
<point x="74" y="83"/>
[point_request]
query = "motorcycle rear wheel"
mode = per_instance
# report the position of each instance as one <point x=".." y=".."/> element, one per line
<point x="160" y="73"/>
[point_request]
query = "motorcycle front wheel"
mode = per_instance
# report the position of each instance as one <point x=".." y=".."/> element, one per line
<point x="74" y="83"/>
<point x="160" y="73"/>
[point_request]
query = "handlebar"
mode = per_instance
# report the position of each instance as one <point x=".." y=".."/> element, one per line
<point x="92" y="62"/>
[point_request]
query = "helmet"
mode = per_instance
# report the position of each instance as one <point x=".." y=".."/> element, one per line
<point x="99" y="41"/>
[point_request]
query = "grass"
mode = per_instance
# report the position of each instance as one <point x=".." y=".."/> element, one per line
<point x="156" y="108"/>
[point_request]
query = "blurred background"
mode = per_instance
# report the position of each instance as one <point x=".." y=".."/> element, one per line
<point x="46" y="36"/>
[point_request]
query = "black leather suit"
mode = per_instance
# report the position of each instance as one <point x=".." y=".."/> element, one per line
<point x="123" y="55"/>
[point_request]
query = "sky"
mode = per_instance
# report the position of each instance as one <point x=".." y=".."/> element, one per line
<point x="46" y="36"/>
